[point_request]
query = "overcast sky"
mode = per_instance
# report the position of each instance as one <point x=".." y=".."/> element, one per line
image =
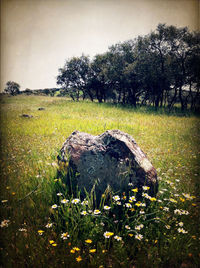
<point x="37" y="36"/>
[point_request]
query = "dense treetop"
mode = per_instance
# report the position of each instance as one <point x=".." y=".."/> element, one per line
<point x="160" y="68"/>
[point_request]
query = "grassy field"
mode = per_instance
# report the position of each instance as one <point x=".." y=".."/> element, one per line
<point x="38" y="230"/>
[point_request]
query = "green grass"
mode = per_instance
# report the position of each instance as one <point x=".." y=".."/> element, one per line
<point x="29" y="148"/>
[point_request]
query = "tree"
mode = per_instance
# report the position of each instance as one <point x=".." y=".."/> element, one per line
<point x="74" y="77"/>
<point x="12" y="88"/>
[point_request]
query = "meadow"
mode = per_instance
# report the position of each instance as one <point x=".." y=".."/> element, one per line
<point x="43" y="226"/>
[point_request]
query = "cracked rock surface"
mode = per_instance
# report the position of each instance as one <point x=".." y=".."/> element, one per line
<point x="112" y="158"/>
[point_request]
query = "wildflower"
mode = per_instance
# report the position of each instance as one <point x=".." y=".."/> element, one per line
<point x="166" y="209"/>
<point x="124" y="197"/>
<point x="59" y="194"/>
<point x="51" y="241"/>
<point x="116" y="198"/>
<point x="167" y="227"/>
<point x="152" y="199"/>
<point x="146" y="195"/>
<point x="40" y="232"/>
<point x="78" y="259"/>
<point x="106" y="207"/>
<point x="92" y="250"/>
<point x="130" y="184"/>
<point x="75" y="201"/>
<point x="132" y="198"/>
<point x="138" y="204"/>
<point x="188" y="196"/>
<point x="64" y="236"/>
<point x="181" y="212"/>
<point x="194" y="205"/>
<point x="139" y="227"/>
<point x="72" y="251"/>
<point x="49" y="225"/>
<point x="131" y="235"/>
<point x="76" y="248"/>
<point x="54" y="206"/>
<point x="118" y="238"/>
<point x="22" y="230"/>
<point x="84" y="203"/>
<point x="4" y="201"/>
<point x="180" y="224"/>
<point x="182" y="199"/>
<point x="89" y="241"/>
<point x="185" y="212"/>
<point x="176" y="195"/>
<point x="108" y="234"/>
<point x="127" y="227"/>
<point x="64" y="201"/>
<point x="128" y="205"/>
<point x="142" y="211"/>
<point x="145" y="188"/>
<point x="84" y="213"/>
<point x="97" y="211"/>
<point x="172" y="200"/>
<point x="118" y="203"/>
<point x="139" y="236"/>
<point x="181" y="230"/>
<point x="132" y="209"/>
<point x="165" y="190"/>
<point x="177" y="211"/>
<point x="135" y="190"/>
<point x="54" y="244"/>
<point x="5" y="223"/>
<point x="104" y="251"/>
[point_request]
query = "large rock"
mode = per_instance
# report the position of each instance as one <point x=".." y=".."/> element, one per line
<point x="112" y="158"/>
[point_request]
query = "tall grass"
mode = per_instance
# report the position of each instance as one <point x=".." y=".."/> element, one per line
<point x="29" y="189"/>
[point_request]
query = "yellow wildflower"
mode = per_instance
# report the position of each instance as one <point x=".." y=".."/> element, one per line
<point x="135" y="190"/>
<point x="89" y="241"/>
<point x="172" y="200"/>
<point x="78" y="259"/>
<point x="40" y="232"/>
<point x="76" y="249"/>
<point x="138" y="204"/>
<point x="92" y="250"/>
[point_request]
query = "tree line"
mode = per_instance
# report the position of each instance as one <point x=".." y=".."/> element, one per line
<point x="159" y="69"/>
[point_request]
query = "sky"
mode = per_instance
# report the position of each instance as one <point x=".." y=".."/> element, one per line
<point x="38" y="36"/>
